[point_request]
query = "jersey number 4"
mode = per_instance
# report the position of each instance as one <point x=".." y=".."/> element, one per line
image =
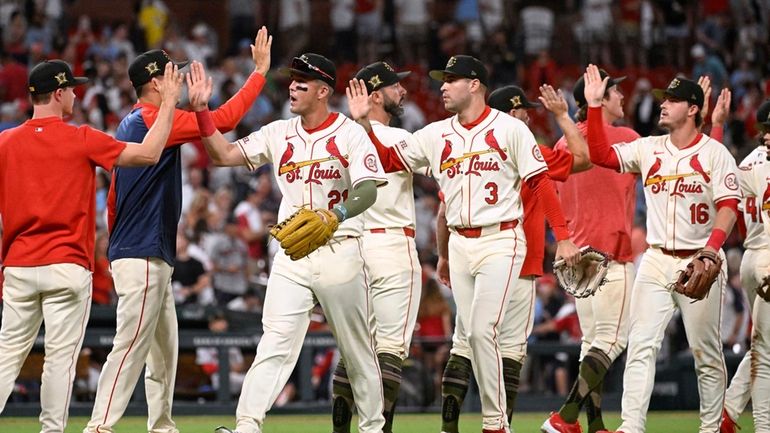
<point x="753" y="210"/>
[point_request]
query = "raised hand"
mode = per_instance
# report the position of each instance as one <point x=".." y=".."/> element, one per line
<point x="705" y="83"/>
<point x="199" y="87"/>
<point x="358" y="99"/>
<point x="552" y="100"/>
<point x="171" y="86"/>
<point x="594" y="86"/>
<point x="260" y="51"/>
<point x="722" y="108"/>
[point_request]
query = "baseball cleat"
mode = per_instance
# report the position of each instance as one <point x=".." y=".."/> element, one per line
<point x="728" y="425"/>
<point x="223" y="429"/>
<point x="555" y="424"/>
<point x="500" y="430"/>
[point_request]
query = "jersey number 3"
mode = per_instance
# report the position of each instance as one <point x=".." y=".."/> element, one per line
<point x="492" y="188"/>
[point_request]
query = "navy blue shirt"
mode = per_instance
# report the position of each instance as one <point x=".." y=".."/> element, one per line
<point x="147" y="200"/>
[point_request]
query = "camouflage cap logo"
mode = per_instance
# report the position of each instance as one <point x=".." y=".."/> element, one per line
<point x="61" y="78"/>
<point x="674" y="83"/>
<point x="451" y="62"/>
<point x="375" y="81"/>
<point x="152" y="67"/>
<point x="387" y="66"/>
<point x="516" y="101"/>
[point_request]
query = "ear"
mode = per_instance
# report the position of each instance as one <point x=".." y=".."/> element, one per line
<point x="692" y="110"/>
<point x="58" y="94"/>
<point x="155" y="84"/>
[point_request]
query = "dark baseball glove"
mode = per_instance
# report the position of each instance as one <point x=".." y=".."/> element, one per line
<point x="583" y="279"/>
<point x="763" y="291"/>
<point x="305" y="231"/>
<point x="696" y="281"/>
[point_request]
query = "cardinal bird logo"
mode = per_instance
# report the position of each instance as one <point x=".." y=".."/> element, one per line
<point x="695" y="165"/>
<point x="652" y="171"/>
<point x="491" y="141"/>
<point x="287" y="154"/>
<point x="447" y="150"/>
<point x="331" y="147"/>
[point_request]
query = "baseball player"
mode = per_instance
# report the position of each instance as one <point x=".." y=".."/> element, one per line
<point x="515" y="331"/>
<point x="599" y="207"/>
<point x="692" y="194"/>
<point x="752" y="379"/>
<point x="392" y="268"/>
<point x="479" y="157"/>
<point x="144" y="210"/>
<point x="321" y="160"/>
<point x="47" y="203"/>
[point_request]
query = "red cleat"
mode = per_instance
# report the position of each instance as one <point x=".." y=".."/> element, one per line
<point x="500" y="430"/>
<point x="728" y="425"/>
<point x="555" y="424"/>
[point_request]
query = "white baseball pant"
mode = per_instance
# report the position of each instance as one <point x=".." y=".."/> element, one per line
<point x="395" y="285"/>
<point x="335" y="279"/>
<point x="146" y="333"/>
<point x="484" y="273"/>
<point x="604" y="316"/>
<point x="752" y="379"/>
<point x="652" y="305"/>
<point x="60" y="296"/>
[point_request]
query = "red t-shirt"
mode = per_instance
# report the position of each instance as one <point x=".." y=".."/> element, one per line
<point x="47" y="191"/>
<point x="599" y="203"/>
<point x="559" y="167"/>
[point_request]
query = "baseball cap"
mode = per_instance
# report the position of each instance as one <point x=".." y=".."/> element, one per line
<point x="314" y="66"/>
<point x="580" y="86"/>
<point x="682" y="89"/>
<point x="50" y="75"/>
<point x="379" y="75"/>
<point x="463" y="66"/>
<point x="148" y="65"/>
<point x="508" y="98"/>
<point x="763" y="116"/>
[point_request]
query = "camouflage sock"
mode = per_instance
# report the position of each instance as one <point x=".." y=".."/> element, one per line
<point x="592" y="370"/>
<point x="454" y="386"/>
<point x="594" y="409"/>
<point x="511" y="373"/>
<point x="390" y="365"/>
<point x="342" y="398"/>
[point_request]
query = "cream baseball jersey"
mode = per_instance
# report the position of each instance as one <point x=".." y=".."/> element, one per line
<point x="752" y="207"/>
<point x="755" y="182"/>
<point x="315" y="169"/>
<point x="681" y="187"/>
<point x="394" y="207"/>
<point x="480" y="169"/>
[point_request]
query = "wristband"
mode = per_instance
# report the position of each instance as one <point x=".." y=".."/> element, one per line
<point x="718" y="237"/>
<point x="205" y="123"/>
<point x="341" y="211"/>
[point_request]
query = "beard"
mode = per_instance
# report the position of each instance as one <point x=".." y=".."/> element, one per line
<point x="392" y="107"/>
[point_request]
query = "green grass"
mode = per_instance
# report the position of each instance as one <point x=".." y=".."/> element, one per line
<point x="657" y="422"/>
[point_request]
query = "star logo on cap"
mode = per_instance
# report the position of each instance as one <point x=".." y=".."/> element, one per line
<point x="387" y="66"/>
<point x="674" y="84"/>
<point x="516" y="101"/>
<point x="451" y="62"/>
<point x="375" y="81"/>
<point x="61" y="78"/>
<point x="152" y="67"/>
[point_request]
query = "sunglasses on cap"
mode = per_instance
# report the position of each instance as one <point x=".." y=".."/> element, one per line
<point x="300" y="64"/>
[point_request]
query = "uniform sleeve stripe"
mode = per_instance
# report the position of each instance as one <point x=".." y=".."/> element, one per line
<point x="381" y="181"/>
<point x="403" y="160"/>
<point x="246" y="158"/>
<point x="726" y="197"/>
<point x="535" y="173"/>
<point x="620" y="159"/>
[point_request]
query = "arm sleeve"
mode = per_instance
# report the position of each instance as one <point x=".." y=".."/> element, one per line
<point x="544" y="191"/>
<point x="362" y="196"/>
<point x="598" y="145"/>
<point x="527" y="155"/>
<point x="225" y="118"/>
<point x="364" y="164"/>
<point x="559" y="162"/>
<point x="102" y="149"/>
<point x="389" y="158"/>
<point x="718" y="133"/>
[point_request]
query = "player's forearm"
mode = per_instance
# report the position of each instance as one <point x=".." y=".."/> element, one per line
<point x="220" y="150"/>
<point x="545" y="192"/>
<point x="576" y="144"/>
<point x="442" y="232"/>
<point x="599" y="148"/>
<point x="717" y="132"/>
<point x="360" y="198"/>
<point x="723" y="224"/>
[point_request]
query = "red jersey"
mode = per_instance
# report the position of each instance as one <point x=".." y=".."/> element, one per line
<point x="559" y="167"/>
<point x="47" y="191"/>
<point x="599" y="203"/>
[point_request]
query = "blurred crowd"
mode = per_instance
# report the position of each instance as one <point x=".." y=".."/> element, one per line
<point x="223" y="254"/>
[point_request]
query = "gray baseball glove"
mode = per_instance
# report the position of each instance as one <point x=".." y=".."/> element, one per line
<point x="585" y="278"/>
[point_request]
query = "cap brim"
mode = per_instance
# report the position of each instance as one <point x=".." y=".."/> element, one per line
<point x="763" y="127"/>
<point x="181" y="65"/>
<point x="531" y="105"/>
<point x="659" y="94"/>
<point x="438" y="75"/>
<point x="402" y="75"/>
<point x="616" y="81"/>
<point x="80" y="81"/>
